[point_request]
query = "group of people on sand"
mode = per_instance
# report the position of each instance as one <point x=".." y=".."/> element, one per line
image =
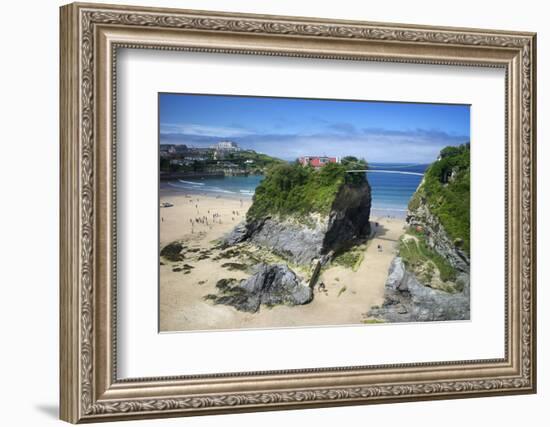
<point x="210" y="219"/>
<point x="234" y="213"/>
<point x="205" y="220"/>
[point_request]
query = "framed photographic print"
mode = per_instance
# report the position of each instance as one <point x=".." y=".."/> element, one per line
<point x="265" y="212"/>
<point x="283" y="234"/>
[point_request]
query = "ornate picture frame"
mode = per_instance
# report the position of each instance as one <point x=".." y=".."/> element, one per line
<point x="90" y="37"/>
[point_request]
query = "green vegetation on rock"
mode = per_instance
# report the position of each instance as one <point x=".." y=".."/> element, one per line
<point x="420" y="258"/>
<point x="352" y="258"/>
<point x="291" y="189"/>
<point x="352" y="163"/>
<point x="446" y="192"/>
<point x="372" y="321"/>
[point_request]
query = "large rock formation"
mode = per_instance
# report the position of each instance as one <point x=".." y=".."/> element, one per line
<point x="407" y="300"/>
<point x="303" y="214"/>
<point x="270" y="285"/>
<point x="300" y="240"/>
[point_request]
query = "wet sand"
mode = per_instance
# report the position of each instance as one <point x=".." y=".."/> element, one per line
<point x="347" y="297"/>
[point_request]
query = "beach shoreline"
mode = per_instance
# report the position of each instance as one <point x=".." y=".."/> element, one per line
<point x="183" y="218"/>
<point x="202" y="219"/>
<point x="386" y="200"/>
<point x="168" y="192"/>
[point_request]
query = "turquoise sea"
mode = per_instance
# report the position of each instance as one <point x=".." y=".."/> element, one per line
<point x="392" y="186"/>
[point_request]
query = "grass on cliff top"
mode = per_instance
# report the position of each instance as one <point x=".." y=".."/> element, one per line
<point x="291" y="189"/>
<point x="446" y="190"/>
<point x="416" y="253"/>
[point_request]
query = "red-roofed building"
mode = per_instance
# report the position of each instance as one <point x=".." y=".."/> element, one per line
<point x="317" y="161"/>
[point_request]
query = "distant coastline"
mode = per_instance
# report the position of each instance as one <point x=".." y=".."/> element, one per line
<point x="392" y="189"/>
<point x="173" y="176"/>
<point x="227" y="187"/>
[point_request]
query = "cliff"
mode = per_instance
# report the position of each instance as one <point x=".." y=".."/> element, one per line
<point x="430" y="277"/>
<point x="302" y="214"/>
<point x="441" y="206"/>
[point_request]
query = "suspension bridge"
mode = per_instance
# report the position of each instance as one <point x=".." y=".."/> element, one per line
<point x="374" y="170"/>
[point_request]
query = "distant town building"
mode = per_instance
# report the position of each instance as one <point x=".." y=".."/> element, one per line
<point x="317" y="161"/>
<point x="167" y="148"/>
<point x="226" y="146"/>
<point x="170" y="150"/>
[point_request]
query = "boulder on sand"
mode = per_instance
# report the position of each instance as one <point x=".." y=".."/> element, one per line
<point x="271" y="284"/>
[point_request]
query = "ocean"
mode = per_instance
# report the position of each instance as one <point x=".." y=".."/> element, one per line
<point x="392" y="186"/>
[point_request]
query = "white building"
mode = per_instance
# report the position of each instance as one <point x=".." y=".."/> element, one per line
<point x="226" y="145"/>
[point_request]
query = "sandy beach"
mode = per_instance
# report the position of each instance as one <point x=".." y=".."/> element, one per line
<point x="201" y="219"/>
<point x="175" y="221"/>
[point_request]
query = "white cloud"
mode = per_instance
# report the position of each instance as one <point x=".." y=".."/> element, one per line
<point x="203" y="130"/>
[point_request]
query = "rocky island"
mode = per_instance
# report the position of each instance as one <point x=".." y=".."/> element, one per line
<point x="302" y="214"/>
<point x="304" y="217"/>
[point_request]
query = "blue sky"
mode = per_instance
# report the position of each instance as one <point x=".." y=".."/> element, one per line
<point x="290" y="127"/>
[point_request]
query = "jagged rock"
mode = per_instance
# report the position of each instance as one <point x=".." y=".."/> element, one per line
<point x="232" y="266"/>
<point x="270" y="285"/>
<point x="237" y="235"/>
<point x="437" y="238"/>
<point x="407" y="300"/>
<point x="300" y="241"/>
<point x="173" y="251"/>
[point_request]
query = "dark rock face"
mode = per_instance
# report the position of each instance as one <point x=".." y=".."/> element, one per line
<point x="349" y="217"/>
<point x="238" y="234"/>
<point x="270" y="285"/>
<point x="406" y="300"/>
<point x="173" y="252"/>
<point x="300" y="241"/>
